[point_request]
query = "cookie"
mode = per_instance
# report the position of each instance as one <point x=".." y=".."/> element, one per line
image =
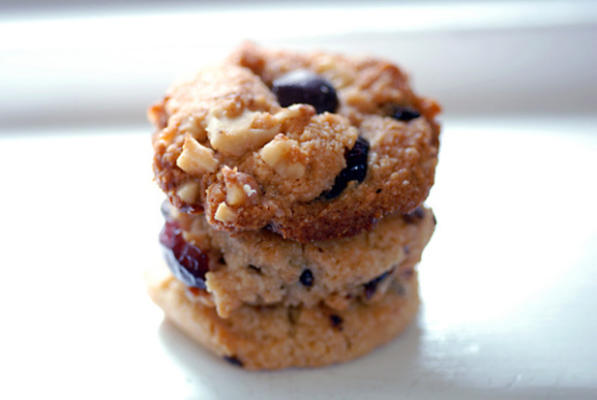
<point x="310" y="146"/>
<point x="261" y="268"/>
<point x="279" y="337"/>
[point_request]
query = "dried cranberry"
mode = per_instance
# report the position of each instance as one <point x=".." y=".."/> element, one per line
<point x="371" y="286"/>
<point x="186" y="261"/>
<point x="356" y="168"/>
<point x="302" y="86"/>
<point x="404" y="113"/>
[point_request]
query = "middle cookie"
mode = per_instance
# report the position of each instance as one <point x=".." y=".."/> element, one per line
<point x="261" y="268"/>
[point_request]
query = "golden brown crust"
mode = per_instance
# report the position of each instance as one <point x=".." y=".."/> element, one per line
<point x="307" y="150"/>
<point x="281" y="337"/>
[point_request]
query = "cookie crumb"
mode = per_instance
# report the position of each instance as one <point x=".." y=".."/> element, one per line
<point x="249" y="191"/>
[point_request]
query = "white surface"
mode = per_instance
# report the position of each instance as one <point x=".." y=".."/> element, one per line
<point x="508" y="281"/>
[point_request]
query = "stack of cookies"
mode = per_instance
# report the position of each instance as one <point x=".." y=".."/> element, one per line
<point x="295" y="217"/>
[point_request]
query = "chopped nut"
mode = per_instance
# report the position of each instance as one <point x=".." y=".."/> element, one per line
<point x="277" y="154"/>
<point x="192" y="126"/>
<point x="236" y="136"/>
<point x="195" y="158"/>
<point x="225" y="213"/>
<point x="293" y="111"/>
<point x="235" y="194"/>
<point x="274" y="152"/>
<point x="188" y="192"/>
<point x="239" y="186"/>
<point x="294" y="118"/>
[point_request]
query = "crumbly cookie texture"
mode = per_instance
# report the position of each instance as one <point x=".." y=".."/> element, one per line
<point x="261" y="268"/>
<point x="280" y="337"/>
<point x="225" y="146"/>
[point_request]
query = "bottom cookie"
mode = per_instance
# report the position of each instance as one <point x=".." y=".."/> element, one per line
<point x="274" y="337"/>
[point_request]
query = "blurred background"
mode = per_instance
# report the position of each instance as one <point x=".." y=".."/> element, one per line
<point x="102" y="62"/>
<point x="508" y="281"/>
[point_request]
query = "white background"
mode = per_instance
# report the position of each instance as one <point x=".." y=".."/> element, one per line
<point x="508" y="282"/>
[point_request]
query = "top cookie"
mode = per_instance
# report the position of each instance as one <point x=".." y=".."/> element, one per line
<point x="312" y="146"/>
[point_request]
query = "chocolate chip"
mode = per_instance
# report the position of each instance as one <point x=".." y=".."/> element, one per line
<point x="233" y="360"/>
<point x="406" y="249"/>
<point x="371" y="286"/>
<point x="414" y="216"/>
<point x="302" y="86"/>
<point x="254" y="268"/>
<point x="434" y="219"/>
<point x="306" y="278"/>
<point x="336" y="321"/>
<point x="404" y="113"/>
<point x="356" y="168"/>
